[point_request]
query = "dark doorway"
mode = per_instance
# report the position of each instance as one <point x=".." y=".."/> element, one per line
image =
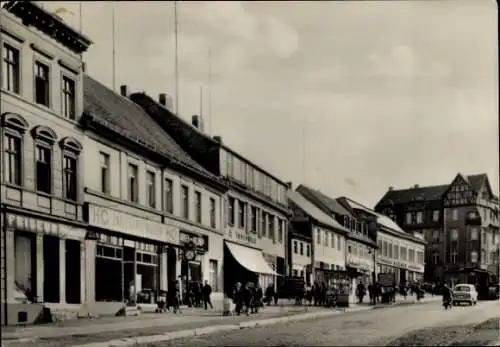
<point x="73" y="272"/>
<point x="50" y="268"/>
<point x="108" y="273"/>
<point x="171" y="265"/>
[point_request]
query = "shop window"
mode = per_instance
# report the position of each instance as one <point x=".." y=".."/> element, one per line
<point x="14" y="127"/>
<point x="44" y="140"/>
<point x="213" y="276"/>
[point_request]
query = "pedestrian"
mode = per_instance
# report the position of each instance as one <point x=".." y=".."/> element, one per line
<point x="269" y="294"/>
<point x="258" y="297"/>
<point x="371" y="293"/>
<point x="177" y="297"/>
<point x="238" y="297"/>
<point x="248" y="298"/>
<point x="207" y="292"/>
<point x="360" y="292"/>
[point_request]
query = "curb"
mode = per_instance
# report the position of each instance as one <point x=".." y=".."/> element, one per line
<point x="494" y="343"/>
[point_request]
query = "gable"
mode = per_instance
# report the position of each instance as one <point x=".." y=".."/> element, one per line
<point x="485" y="191"/>
<point x="459" y="193"/>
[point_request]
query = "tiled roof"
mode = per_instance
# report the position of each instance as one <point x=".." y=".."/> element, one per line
<point x="314" y="212"/>
<point x="125" y="117"/>
<point x="476" y="181"/>
<point x="403" y="196"/>
<point x="315" y="195"/>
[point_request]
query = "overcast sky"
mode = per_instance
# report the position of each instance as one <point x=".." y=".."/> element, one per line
<point x="384" y="93"/>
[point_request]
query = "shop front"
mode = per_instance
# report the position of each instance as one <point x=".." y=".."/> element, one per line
<point x="403" y="272"/>
<point x="359" y="270"/>
<point x="44" y="263"/>
<point x="244" y="262"/>
<point x="193" y="259"/>
<point x="134" y="258"/>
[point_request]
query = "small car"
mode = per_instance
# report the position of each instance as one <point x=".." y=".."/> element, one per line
<point x="465" y="293"/>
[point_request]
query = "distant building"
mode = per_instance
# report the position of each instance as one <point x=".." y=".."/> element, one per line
<point x="255" y="213"/>
<point x="316" y="241"/>
<point x="460" y="224"/>
<point x="43" y="234"/>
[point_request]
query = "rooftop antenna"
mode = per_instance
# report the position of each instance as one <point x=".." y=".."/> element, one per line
<point x="176" y="109"/>
<point x="113" y="43"/>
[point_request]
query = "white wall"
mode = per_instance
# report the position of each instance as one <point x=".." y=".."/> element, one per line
<point x="327" y="252"/>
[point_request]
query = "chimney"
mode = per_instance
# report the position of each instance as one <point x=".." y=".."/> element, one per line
<point x="84" y="67"/>
<point x="162" y="99"/>
<point x="416" y="186"/>
<point x="289" y="185"/>
<point x="195" y="121"/>
<point x="124" y="90"/>
<point x="391" y="188"/>
<point x="218" y="139"/>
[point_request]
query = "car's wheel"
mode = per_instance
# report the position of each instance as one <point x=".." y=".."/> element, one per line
<point x="470" y="303"/>
<point x="455" y="303"/>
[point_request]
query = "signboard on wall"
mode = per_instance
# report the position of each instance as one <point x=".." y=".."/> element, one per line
<point x="241" y="236"/>
<point x="201" y="241"/>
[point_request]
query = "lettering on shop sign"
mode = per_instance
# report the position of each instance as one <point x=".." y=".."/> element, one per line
<point x="400" y="265"/>
<point x="41" y="226"/>
<point x="385" y="262"/>
<point x="418" y="268"/>
<point x="241" y="236"/>
<point x="201" y="241"/>
<point x="114" y="220"/>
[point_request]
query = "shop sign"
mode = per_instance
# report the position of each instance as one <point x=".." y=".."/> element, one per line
<point x="114" y="220"/>
<point x="241" y="236"/>
<point x="400" y="265"/>
<point x="200" y="241"/>
<point x="385" y="261"/>
<point x="417" y="268"/>
<point x="37" y="225"/>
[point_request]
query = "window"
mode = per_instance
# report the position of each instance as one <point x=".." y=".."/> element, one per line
<point x="453" y="256"/>
<point x="230" y="210"/>
<point x="473" y="257"/>
<point x="168" y="192"/>
<point x="420" y="217"/>
<point x="295" y="247"/>
<point x="435" y="236"/>
<point x="454" y="234"/>
<point x="43" y="169"/>
<point x="212" y="213"/>
<point x="325" y="240"/>
<point x="13" y="159"/>
<point x="308" y="250"/>
<point x="396" y="251"/>
<point x="213" y="275"/>
<point x="402" y="253"/>
<point x="197" y="202"/>
<point x="104" y="162"/>
<point x="435" y="257"/>
<point x="263" y="224"/>
<point x="70" y="177"/>
<point x="332" y="240"/>
<point x="10" y="69"/>
<point x="280" y="230"/>
<point x="133" y="188"/>
<point x="68" y="98"/>
<point x="349" y="248"/>
<point x="411" y="255"/>
<point x="301" y="248"/>
<point x="435" y="216"/>
<point x="474" y="234"/>
<point x="150" y="189"/>
<point x="42" y="84"/>
<point x="408" y="217"/>
<point x="318" y="236"/>
<point x="385" y="251"/>
<point x="454" y="214"/>
<point x="272" y="235"/>
<point x="253" y="217"/>
<point x="185" y="201"/>
<point x="241" y="214"/>
<point x="389" y="250"/>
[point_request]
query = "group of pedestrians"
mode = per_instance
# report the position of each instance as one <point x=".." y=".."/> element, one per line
<point x="198" y="295"/>
<point x="249" y="298"/>
<point x="195" y="294"/>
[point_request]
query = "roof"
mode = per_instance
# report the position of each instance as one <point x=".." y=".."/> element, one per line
<point x="331" y="204"/>
<point x="382" y="220"/>
<point x="122" y="115"/>
<point x="404" y="196"/>
<point x="476" y="181"/>
<point x="313" y="211"/>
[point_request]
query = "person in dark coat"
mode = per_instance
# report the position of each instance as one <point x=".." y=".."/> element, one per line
<point x="176" y="297"/>
<point x="238" y="297"/>
<point x="207" y="291"/>
<point x="269" y="294"/>
<point x="257" y="300"/>
<point x="360" y="292"/>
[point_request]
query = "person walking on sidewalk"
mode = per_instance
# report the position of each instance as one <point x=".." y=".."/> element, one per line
<point x="207" y="291"/>
<point x="177" y="297"/>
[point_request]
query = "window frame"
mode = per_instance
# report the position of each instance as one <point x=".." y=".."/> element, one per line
<point x="16" y="126"/>
<point x="66" y="76"/>
<point x="185" y="201"/>
<point x="71" y="148"/>
<point x="231" y="204"/>
<point x="213" y="212"/>
<point x="44" y="137"/>
<point x="198" y="206"/>
<point x="151" y="188"/>
<point x="106" y="189"/>
<point x="48" y="91"/>
<point x="18" y="50"/>
<point x="132" y="192"/>
<point x="168" y="195"/>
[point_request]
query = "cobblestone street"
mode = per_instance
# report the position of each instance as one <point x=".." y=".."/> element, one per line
<point x="377" y="327"/>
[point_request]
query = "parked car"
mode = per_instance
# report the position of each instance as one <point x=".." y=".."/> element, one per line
<point x="465" y="293"/>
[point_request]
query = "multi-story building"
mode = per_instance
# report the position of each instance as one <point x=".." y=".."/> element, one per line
<point x="146" y="201"/>
<point x="460" y="223"/>
<point x="255" y="206"/>
<point x="43" y="235"/>
<point x="316" y="241"/>
<point x="398" y="252"/>
<point x="360" y="241"/>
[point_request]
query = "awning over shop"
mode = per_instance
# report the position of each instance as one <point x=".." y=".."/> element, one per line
<point x="250" y="258"/>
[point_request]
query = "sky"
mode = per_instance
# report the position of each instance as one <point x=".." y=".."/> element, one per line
<point x="347" y="97"/>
